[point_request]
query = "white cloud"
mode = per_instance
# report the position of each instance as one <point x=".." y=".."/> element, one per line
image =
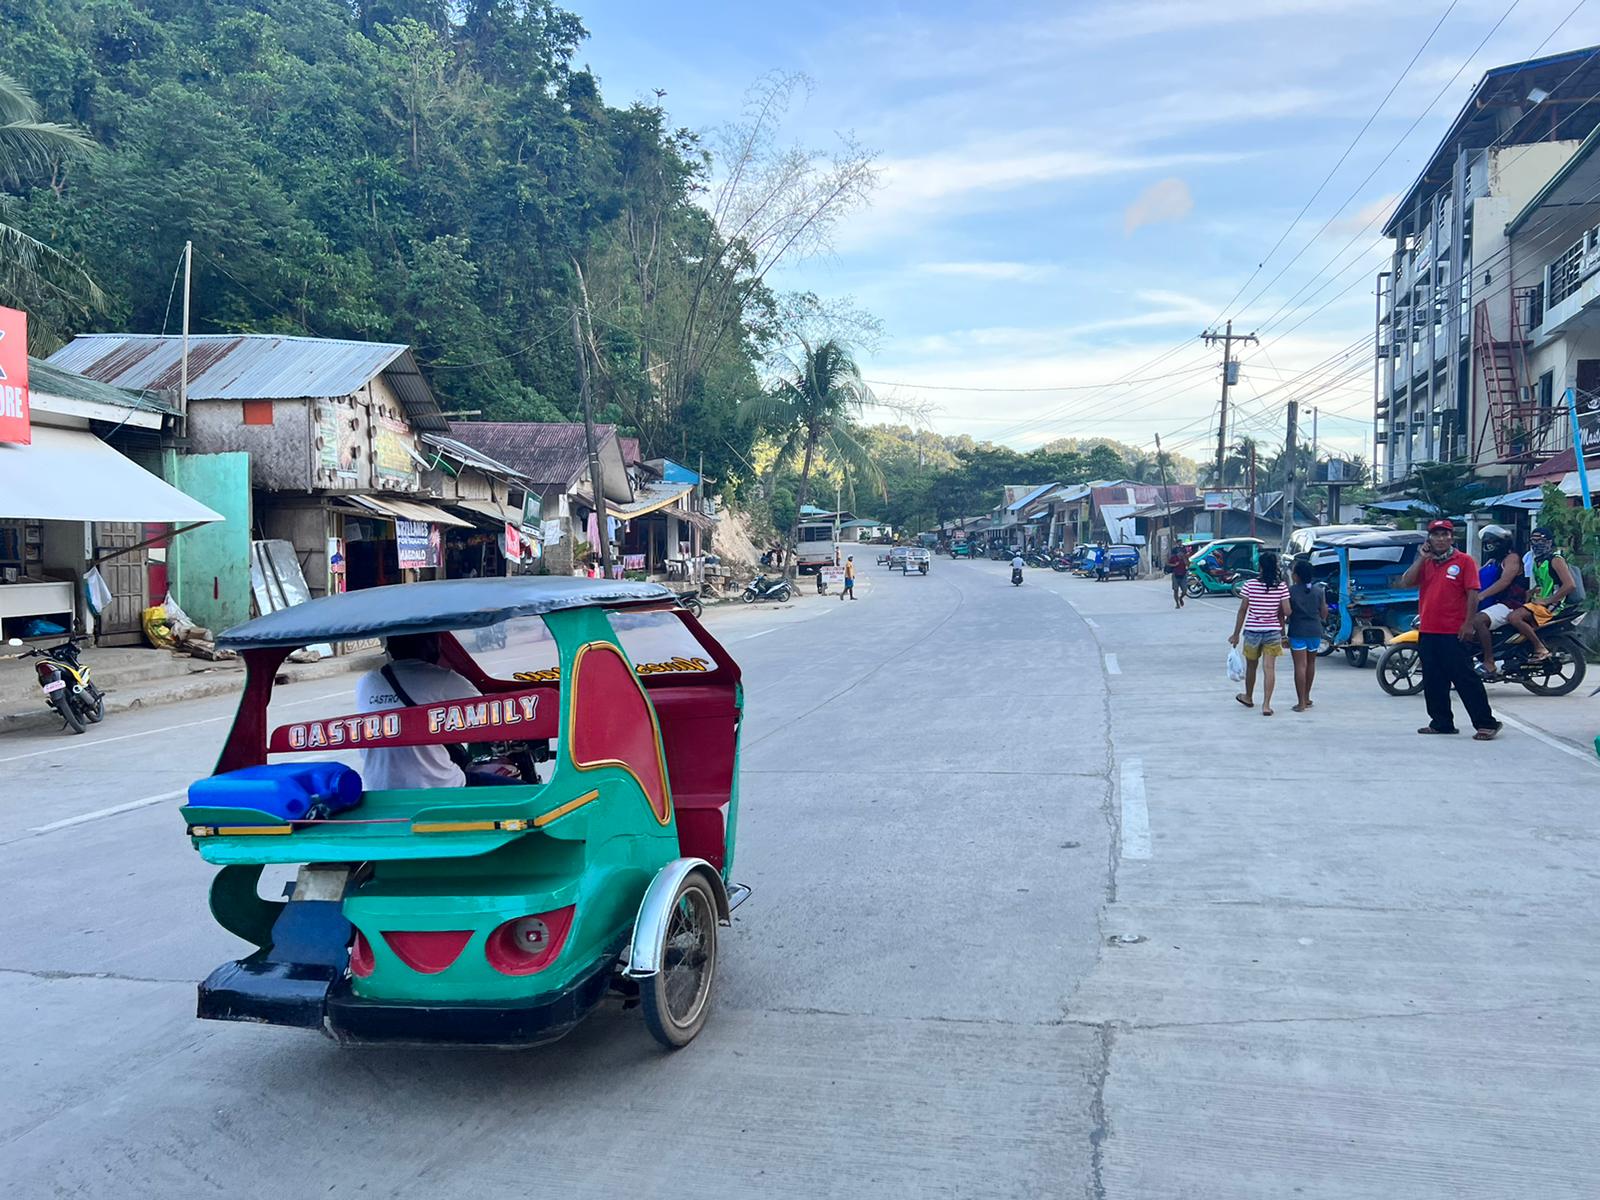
<point x="1165" y="200"/>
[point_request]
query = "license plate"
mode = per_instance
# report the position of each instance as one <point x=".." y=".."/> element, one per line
<point x="55" y="685"/>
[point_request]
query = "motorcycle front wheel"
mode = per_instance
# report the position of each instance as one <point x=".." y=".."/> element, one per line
<point x="1194" y="587"/>
<point x="749" y="597"/>
<point x="61" y="701"/>
<point x="1400" y="670"/>
<point x="92" y="704"/>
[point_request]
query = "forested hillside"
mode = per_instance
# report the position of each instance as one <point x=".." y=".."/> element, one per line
<point x="430" y="173"/>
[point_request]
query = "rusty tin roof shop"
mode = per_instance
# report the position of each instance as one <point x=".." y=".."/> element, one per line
<point x="256" y="366"/>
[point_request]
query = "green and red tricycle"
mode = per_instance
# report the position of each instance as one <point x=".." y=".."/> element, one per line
<point x="492" y="915"/>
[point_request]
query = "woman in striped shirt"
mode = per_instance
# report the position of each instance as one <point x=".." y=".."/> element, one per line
<point x="1263" y="608"/>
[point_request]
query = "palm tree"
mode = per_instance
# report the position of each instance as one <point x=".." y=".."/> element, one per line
<point x="30" y="269"/>
<point x="816" y="411"/>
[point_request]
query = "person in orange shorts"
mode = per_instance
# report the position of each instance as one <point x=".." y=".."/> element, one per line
<point x="1550" y="583"/>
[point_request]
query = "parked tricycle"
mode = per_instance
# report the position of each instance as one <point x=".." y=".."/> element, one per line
<point x="586" y="850"/>
<point x="1366" y="609"/>
<point x="1221" y="567"/>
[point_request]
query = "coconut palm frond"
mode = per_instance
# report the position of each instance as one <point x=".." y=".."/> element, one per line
<point x="845" y="445"/>
<point x="27" y="263"/>
<point x="34" y="147"/>
<point x="15" y="103"/>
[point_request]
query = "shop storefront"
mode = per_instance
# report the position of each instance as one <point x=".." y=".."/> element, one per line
<point x="72" y="509"/>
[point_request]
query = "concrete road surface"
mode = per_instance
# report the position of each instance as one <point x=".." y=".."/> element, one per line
<point x="1038" y="911"/>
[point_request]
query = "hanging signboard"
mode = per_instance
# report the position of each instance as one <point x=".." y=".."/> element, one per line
<point x="14" y="422"/>
<point x="416" y="543"/>
<point x="1218" y="501"/>
<point x="1588" y="405"/>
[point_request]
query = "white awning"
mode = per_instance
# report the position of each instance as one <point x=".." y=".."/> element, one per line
<point x="408" y="510"/>
<point x="71" y="475"/>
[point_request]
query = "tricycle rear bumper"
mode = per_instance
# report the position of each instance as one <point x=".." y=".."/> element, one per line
<point x="313" y="996"/>
<point x="301" y="981"/>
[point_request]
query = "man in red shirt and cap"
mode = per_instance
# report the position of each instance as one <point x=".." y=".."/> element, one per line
<point x="1447" y="597"/>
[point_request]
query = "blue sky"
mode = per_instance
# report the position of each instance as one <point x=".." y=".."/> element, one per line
<point x="1070" y="193"/>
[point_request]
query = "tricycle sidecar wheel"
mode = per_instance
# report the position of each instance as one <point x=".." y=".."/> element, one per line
<point x="677" y="999"/>
<point x="1400" y="670"/>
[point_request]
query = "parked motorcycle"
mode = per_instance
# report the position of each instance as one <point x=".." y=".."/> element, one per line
<point x="776" y="589"/>
<point x="1400" y="664"/>
<point x="691" y="602"/>
<point x="66" y="683"/>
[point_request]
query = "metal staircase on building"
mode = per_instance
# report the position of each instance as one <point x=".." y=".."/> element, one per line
<point x="1514" y="414"/>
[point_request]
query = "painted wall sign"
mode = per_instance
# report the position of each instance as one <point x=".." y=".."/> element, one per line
<point x="392" y="451"/>
<point x="15" y="425"/>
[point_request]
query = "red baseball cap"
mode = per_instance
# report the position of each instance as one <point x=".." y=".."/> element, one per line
<point x="1441" y="523"/>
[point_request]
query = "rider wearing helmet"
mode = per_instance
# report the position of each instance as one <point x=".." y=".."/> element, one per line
<point x="1503" y="589"/>
<point x="1550" y="583"/>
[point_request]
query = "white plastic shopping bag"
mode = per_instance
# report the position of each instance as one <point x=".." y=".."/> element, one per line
<point x="1235" y="663"/>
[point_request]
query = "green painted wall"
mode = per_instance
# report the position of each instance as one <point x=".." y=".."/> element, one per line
<point x="208" y="569"/>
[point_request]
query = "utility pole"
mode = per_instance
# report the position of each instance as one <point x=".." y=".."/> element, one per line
<point x="1252" y="489"/>
<point x="1230" y="376"/>
<point x="1292" y="450"/>
<point x="1314" y="446"/>
<point x="602" y="524"/>
<point x="183" y="373"/>
<point x="1166" y="496"/>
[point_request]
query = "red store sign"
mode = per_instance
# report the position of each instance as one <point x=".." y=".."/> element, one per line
<point x="14" y="426"/>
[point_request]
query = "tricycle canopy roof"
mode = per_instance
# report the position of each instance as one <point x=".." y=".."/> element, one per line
<point x="1377" y="539"/>
<point x="431" y="607"/>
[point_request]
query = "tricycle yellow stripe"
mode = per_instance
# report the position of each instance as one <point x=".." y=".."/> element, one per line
<point x="569" y="806"/>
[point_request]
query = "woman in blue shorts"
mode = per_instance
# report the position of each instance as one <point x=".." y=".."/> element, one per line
<point x="1308" y="616"/>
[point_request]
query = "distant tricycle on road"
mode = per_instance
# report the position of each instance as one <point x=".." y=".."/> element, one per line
<point x="588" y="849"/>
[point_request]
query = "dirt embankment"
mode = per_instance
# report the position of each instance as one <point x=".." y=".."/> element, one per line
<point x="732" y="542"/>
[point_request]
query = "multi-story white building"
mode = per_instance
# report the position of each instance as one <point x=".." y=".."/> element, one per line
<point x="1555" y="249"/>
<point x="1452" y="314"/>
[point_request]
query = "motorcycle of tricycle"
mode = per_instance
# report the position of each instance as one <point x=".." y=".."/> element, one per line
<point x="66" y="683"/>
<point x="763" y="588"/>
<point x="1400" y="664"/>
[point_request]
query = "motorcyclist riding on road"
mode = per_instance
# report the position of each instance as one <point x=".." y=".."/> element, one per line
<point x="1502" y="590"/>
<point x="1550" y="583"/>
<point x="1016" y="568"/>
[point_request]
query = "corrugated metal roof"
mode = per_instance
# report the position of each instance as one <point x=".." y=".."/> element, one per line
<point x="255" y="366"/>
<point x="470" y="455"/>
<point x="1031" y="496"/>
<point x="548" y="454"/>
<point x="53" y="380"/>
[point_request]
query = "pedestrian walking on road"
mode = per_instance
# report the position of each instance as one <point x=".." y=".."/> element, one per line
<point x="1308" y="616"/>
<point x="1263" y="608"/>
<point x="1447" y="598"/>
<point x="849" y="578"/>
<point x="1178" y="568"/>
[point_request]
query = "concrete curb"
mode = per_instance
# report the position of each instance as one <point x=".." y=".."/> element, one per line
<point x="198" y="685"/>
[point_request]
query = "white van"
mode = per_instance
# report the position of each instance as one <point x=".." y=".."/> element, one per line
<point x="1301" y="541"/>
